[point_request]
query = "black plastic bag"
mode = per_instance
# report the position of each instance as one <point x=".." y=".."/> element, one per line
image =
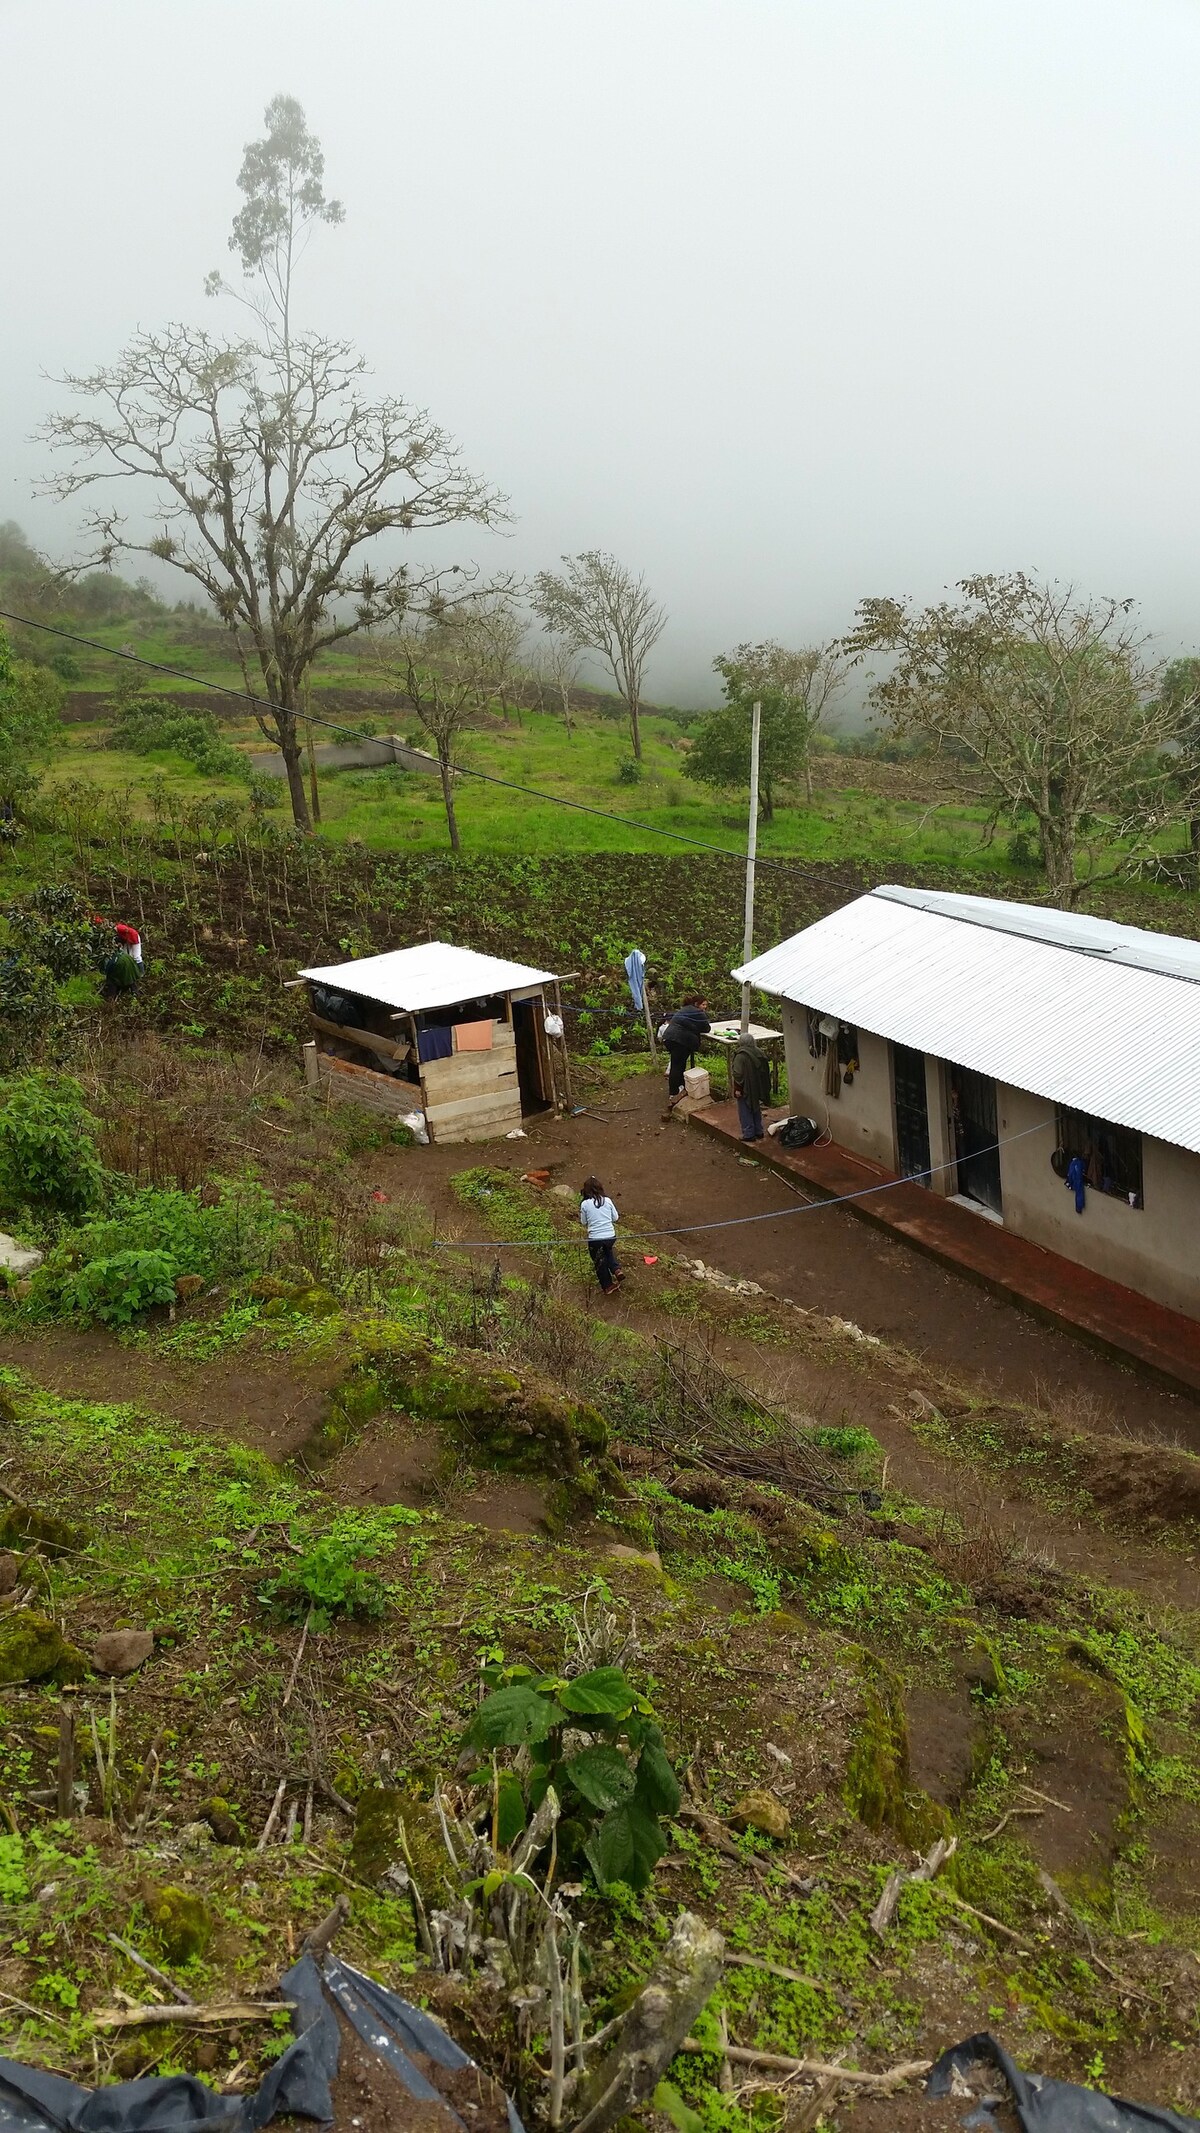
<point x="1046" y="2106"/>
<point x="799" y="1133"/>
<point x="32" y="2101"/>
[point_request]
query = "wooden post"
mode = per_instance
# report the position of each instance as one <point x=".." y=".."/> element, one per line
<point x="314" y="791"/>
<point x="66" y="1763"/>
<point x="312" y="1072"/>
<point x="751" y="852"/>
<point x="566" y="1054"/>
<point x="649" y="1018"/>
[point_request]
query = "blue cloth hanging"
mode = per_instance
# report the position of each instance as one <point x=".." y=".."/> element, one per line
<point x="435" y="1043"/>
<point x="1076" y="1181"/>
<point x="635" y="971"/>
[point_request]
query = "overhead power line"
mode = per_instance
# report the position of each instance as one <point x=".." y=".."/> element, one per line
<point x="462" y="770"/>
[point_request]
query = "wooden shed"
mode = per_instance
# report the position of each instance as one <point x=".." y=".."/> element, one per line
<point x="443" y="1030"/>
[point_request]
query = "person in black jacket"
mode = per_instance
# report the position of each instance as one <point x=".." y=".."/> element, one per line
<point x="750" y="1079"/>
<point x="681" y="1036"/>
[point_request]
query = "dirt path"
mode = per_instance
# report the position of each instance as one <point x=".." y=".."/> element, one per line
<point x="270" y="1402"/>
<point x="665" y="1176"/>
<point x="826" y="1258"/>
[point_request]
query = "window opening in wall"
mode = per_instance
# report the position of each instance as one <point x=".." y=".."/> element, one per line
<point x="1111" y="1154"/>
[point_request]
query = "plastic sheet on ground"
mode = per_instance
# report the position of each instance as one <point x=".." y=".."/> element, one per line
<point x="1046" y="2106"/>
<point x="300" y="2082"/>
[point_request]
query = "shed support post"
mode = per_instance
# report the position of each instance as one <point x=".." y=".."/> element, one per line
<point x="566" y="1053"/>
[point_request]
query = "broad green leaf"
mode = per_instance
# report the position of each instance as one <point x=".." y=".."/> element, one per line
<point x="625" y="1846"/>
<point x="510" y="1810"/>
<point x="513" y="1716"/>
<point x="602" y="1775"/>
<point x="604" y="1691"/>
<point x="668" y="2100"/>
<point x="657" y="1785"/>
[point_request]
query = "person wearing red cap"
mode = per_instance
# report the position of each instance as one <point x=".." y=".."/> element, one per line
<point x="131" y="941"/>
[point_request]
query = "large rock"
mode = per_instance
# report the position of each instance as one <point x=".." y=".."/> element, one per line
<point x="761" y="1810"/>
<point x="18" y="1259"/>
<point x="122" y="1651"/>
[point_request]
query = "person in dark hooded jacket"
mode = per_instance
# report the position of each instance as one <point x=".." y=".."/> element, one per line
<point x="681" y="1037"/>
<point x="750" y="1075"/>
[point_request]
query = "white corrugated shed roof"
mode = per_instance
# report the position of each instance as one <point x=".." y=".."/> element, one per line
<point x="433" y="974"/>
<point x="1099" y="1017"/>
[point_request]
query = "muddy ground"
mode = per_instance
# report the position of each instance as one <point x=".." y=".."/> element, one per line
<point x="737" y="1687"/>
<point x="828" y="1259"/>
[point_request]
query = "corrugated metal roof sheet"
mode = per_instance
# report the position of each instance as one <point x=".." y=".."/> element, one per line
<point x="1059" y="1017"/>
<point x="433" y="974"/>
<point x="1165" y="952"/>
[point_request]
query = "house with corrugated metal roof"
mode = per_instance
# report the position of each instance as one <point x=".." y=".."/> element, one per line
<point x="1041" y="1067"/>
<point x="463" y="1040"/>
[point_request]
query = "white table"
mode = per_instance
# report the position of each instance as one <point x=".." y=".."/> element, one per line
<point x="727" y="1034"/>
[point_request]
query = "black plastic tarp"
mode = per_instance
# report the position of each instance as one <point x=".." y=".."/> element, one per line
<point x="299" y="2082"/>
<point x="1046" y="2106"/>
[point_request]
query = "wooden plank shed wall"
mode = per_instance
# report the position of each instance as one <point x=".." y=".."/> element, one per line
<point x="473" y="1095"/>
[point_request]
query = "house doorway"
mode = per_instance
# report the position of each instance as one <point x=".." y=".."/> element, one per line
<point x="532" y="1076"/>
<point x="973" y="1119"/>
<point x="912" y="1113"/>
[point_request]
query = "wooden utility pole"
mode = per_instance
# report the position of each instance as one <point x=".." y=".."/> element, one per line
<point x="751" y="852"/>
<point x="314" y="793"/>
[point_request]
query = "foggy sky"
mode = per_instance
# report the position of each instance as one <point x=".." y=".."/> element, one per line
<point x="784" y="301"/>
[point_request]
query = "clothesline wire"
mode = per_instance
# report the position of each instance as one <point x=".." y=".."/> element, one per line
<point x="689" y="1229"/>
<point x="462" y="770"/>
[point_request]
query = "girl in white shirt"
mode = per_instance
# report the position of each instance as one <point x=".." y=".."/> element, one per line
<point x="600" y="1218"/>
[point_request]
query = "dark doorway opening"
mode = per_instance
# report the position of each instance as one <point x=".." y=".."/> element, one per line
<point x="531" y="1065"/>
<point x="912" y="1113"/>
<point x="973" y="1118"/>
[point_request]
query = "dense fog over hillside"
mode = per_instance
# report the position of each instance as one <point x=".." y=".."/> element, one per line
<point x="783" y="303"/>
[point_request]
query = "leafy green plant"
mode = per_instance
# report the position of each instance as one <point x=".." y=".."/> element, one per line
<point x="328" y="1580"/>
<point x="233" y="1233"/>
<point x="613" y="1788"/>
<point x="14" y="1880"/>
<point x="146" y="723"/>
<point x="846" y="1441"/>
<point x="48" y="1157"/>
<point x="116" y="1289"/>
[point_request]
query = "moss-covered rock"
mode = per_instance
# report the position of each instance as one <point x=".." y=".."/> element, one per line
<point x="33" y="1648"/>
<point x="393" y="1827"/>
<point x="21" y="1526"/>
<point x="299" y="1299"/>
<point x="799" y="1541"/>
<point x="879" y="1785"/>
<point x="220" y="1818"/>
<point x="504" y="1421"/>
<point x="180" y="1920"/>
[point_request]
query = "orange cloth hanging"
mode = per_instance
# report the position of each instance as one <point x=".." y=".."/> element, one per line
<point x="473" y="1036"/>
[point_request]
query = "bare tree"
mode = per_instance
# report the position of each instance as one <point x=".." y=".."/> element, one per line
<point x="441" y="666"/>
<point x="271" y="471"/>
<point x="1050" y="693"/>
<point x="554" y="671"/>
<point x="598" y="605"/>
<point x="499" y="630"/>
